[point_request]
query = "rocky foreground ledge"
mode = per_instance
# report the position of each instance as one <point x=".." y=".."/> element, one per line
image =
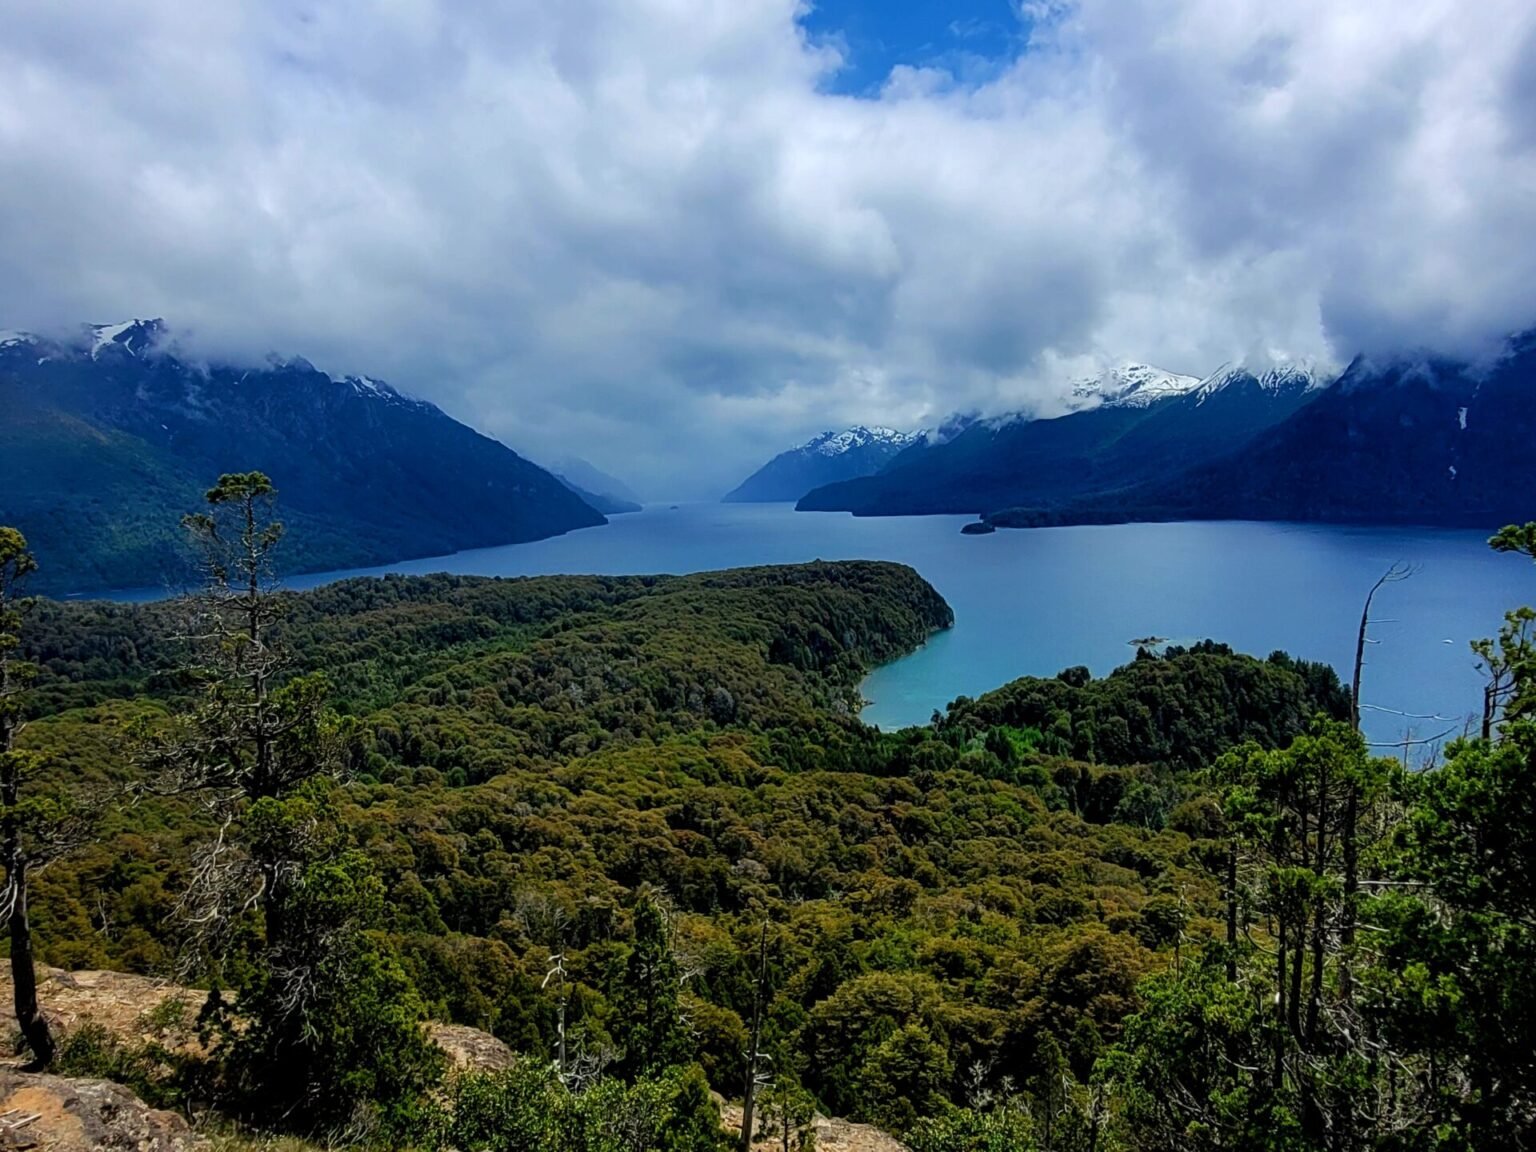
<point x="57" y="1114"/>
<point x="40" y="1113"/>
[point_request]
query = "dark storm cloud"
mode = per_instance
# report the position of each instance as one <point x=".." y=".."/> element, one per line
<point x="651" y="235"/>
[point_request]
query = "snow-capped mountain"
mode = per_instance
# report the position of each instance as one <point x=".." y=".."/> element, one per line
<point x="110" y="435"/>
<point x="1403" y="439"/>
<point x="1122" y="426"/>
<point x="824" y="459"/>
<point x="1286" y="377"/>
<point x="146" y="340"/>
<point x="946" y="430"/>
<point x="1130" y="386"/>
<point x="855" y="439"/>
<point x="90" y="341"/>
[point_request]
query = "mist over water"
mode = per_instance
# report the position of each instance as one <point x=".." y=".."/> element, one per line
<point x="1034" y="602"/>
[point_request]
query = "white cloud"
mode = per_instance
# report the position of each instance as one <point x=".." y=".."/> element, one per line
<point x="646" y="233"/>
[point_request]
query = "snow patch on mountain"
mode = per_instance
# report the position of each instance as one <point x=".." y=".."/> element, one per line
<point x="104" y="334"/>
<point x="373" y="389"/>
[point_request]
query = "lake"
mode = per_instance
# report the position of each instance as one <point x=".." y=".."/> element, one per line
<point x="1033" y="602"/>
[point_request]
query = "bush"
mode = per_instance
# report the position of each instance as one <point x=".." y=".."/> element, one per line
<point x="527" y="1108"/>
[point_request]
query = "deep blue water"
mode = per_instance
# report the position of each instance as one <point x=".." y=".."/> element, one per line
<point x="1033" y="602"/>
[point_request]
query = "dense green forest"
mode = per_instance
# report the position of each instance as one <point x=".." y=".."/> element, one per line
<point x="634" y="828"/>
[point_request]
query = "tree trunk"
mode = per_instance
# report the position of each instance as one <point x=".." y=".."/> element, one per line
<point x="1232" y="912"/>
<point x="29" y="1017"/>
<point x="1319" y="910"/>
<point x="1298" y="940"/>
<point x="749" y="1090"/>
<point x="1351" y="848"/>
<point x="1280" y="1014"/>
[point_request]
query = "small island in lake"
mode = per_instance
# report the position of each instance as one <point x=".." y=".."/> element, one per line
<point x="979" y="528"/>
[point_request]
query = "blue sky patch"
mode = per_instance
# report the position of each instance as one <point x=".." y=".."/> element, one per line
<point x="971" y="39"/>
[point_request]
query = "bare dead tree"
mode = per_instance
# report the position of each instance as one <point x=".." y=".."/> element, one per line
<point x="754" y="1039"/>
<point x="556" y="974"/>
<point x="1397" y="573"/>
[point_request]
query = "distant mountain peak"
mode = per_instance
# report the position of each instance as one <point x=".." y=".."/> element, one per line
<point x="586" y="476"/>
<point x="1131" y="385"/>
<point x="831" y="456"/>
<point x="132" y="336"/>
<point x="1269" y="375"/>
<point x="948" y="428"/>
<point x="849" y="439"/>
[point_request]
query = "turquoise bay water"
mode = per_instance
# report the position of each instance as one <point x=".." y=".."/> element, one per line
<point x="1033" y="602"/>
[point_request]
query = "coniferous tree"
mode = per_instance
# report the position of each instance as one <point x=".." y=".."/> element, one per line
<point x="336" y="1023"/>
<point x="650" y="1020"/>
<point x="255" y="732"/>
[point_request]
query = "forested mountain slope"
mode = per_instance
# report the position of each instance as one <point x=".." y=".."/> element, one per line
<point x="109" y="439"/>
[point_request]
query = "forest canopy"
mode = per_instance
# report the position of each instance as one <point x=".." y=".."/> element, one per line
<point x="634" y="828"/>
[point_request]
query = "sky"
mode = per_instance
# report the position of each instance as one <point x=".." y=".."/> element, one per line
<point x="674" y="237"/>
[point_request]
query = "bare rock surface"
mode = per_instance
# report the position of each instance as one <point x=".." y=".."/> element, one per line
<point x="137" y="1009"/>
<point x="132" y="1008"/>
<point x="57" y="1114"/>
<point x="469" y="1049"/>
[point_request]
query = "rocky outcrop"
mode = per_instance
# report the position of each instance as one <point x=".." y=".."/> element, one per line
<point x="140" y="1009"/>
<point x="469" y="1049"/>
<point x="134" y="1009"/>
<point x="57" y="1114"/>
<point x="831" y="1135"/>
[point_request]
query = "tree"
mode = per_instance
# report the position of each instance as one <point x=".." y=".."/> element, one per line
<point x="1191" y="1069"/>
<point x="15" y="563"/>
<point x="33" y="829"/>
<point x="334" y="1022"/>
<point x="788" y="1114"/>
<point x="334" y="1032"/>
<point x="905" y="1077"/>
<point x="1457" y="960"/>
<point x="251" y="735"/>
<point x="754" y="1039"/>
<point x="650" y="1023"/>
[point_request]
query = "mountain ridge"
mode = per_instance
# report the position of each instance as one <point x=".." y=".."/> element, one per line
<point x="1130" y="421"/>
<point x="1396" y="440"/>
<point x="859" y="450"/>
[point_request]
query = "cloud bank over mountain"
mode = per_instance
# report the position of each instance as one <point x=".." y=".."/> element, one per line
<point x="657" y="235"/>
